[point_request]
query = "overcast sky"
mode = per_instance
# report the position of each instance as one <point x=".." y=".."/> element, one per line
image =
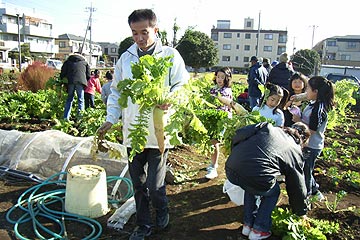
<point x="306" y="21"/>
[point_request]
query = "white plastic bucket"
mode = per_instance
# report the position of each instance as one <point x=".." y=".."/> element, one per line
<point x="86" y="191"/>
<point x="235" y="192"/>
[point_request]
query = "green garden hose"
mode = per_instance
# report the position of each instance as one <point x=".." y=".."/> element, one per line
<point x="37" y="205"/>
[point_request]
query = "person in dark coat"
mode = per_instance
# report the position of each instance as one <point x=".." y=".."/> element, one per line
<point x="257" y="76"/>
<point x="282" y="72"/>
<point x="260" y="153"/>
<point x="77" y="72"/>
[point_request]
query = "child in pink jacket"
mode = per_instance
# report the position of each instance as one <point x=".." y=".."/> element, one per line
<point x="92" y="86"/>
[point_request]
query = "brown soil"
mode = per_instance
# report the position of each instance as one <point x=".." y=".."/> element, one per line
<point x="198" y="208"/>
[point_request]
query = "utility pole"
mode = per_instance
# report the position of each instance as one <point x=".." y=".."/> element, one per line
<point x="313" y="33"/>
<point x="19" y="40"/>
<point x="294" y="48"/>
<point x="175" y="30"/>
<point x="91" y="9"/>
<point x="258" y="36"/>
<point x="88" y="28"/>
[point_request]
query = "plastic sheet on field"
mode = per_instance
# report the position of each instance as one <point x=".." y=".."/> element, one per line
<point x="49" y="152"/>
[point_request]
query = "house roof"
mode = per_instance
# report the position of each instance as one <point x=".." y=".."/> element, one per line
<point x="72" y="37"/>
<point x="346" y="37"/>
<point x="69" y="36"/>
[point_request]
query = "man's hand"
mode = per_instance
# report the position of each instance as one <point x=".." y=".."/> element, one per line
<point x="164" y="106"/>
<point x="103" y="129"/>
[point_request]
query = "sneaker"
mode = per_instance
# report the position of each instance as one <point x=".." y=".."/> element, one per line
<point x="246" y="230"/>
<point x="255" y="235"/>
<point x="319" y="196"/>
<point x="212" y="166"/>
<point x="140" y="232"/>
<point x="212" y="173"/>
<point x="162" y="221"/>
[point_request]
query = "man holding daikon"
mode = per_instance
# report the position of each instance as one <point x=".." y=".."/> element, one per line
<point x="149" y="186"/>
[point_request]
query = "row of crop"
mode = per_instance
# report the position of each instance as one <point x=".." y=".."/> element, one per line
<point x="48" y="104"/>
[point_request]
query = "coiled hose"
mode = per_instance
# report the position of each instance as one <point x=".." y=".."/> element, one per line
<point x="36" y="205"/>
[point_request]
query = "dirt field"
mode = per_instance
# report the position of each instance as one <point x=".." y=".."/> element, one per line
<point x="199" y="209"/>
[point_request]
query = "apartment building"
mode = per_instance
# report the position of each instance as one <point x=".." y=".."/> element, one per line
<point x="340" y="50"/>
<point x="236" y="46"/>
<point x="35" y="30"/>
<point x="70" y="43"/>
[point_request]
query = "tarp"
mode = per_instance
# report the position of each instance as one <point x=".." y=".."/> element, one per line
<point x="46" y="153"/>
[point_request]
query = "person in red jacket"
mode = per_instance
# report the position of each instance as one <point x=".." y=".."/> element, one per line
<point x="92" y="86"/>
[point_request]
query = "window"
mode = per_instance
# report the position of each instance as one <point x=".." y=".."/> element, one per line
<point x="267" y="48"/>
<point x="247" y="36"/>
<point x="248" y="24"/>
<point x="268" y="37"/>
<point x="330" y="56"/>
<point x="12" y="20"/>
<point x="282" y="38"/>
<point x="247" y="48"/>
<point x="345" y="57"/>
<point x="351" y="45"/>
<point x="226" y="58"/>
<point x="62" y="44"/>
<point x="238" y="35"/>
<point x="227" y="46"/>
<point x="331" y="43"/>
<point x="113" y="50"/>
<point x="227" y="35"/>
<point x="215" y="36"/>
<point x="237" y="58"/>
<point x="246" y="59"/>
<point x="237" y="46"/>
<point x="281" y="50"/>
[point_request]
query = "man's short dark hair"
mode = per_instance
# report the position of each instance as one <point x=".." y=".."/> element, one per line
<point x="253" y="58"/>
<point x="143" y="15"/>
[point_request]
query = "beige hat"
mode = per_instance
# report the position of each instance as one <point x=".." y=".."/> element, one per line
<point x="284" y="57"/>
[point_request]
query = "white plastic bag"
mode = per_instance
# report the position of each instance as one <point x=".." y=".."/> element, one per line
<point x="235" y="192"/>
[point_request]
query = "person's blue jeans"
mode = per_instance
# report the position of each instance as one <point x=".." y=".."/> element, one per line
<point x="254" y="101"/>
<point x="79" y="88"/>
<point x="150" y="185"/>
<point x="310" y="156"/>
<point x="260" y="218"/>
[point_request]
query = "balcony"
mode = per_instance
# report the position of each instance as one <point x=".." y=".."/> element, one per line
<point x="48" y="48"/>
<point x="10" y="28"/>
<point x="37" y="31"/>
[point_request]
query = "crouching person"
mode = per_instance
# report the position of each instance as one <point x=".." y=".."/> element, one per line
<point x="260" y="153"/>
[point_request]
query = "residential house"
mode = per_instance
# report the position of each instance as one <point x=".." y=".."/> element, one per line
<point x="69" y="43"/>
<point x="111" y="51"/>
<point x="236" y="46"/>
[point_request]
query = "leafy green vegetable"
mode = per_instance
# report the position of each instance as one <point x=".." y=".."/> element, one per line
<point x="291" y="226"/>
<point x="147" y="89"/>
